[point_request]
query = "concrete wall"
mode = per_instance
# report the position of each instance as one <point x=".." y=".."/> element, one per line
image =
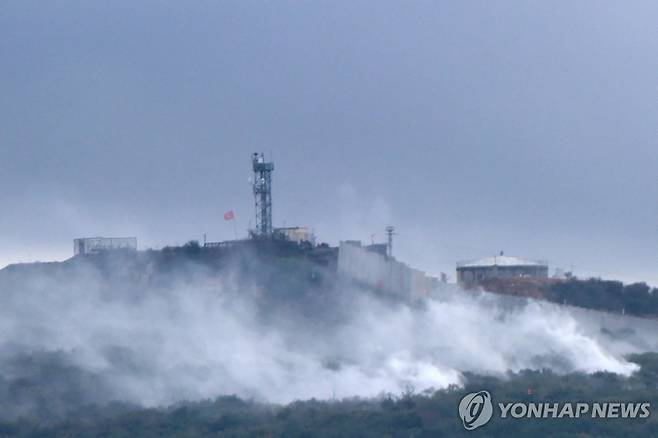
<point x="90" y="245"/>
<point x="378" y="271"/>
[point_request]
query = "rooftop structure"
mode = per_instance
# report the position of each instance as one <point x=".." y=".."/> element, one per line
<point x="500" y="260"/>
<point x="474" y="272"/>
<point x="296" y="234"/>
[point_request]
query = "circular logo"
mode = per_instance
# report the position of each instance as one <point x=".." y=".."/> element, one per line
<point x="475" y="409"/>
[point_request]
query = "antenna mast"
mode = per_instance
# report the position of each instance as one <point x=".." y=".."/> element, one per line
<point x="390" y="231"/>
<point x="262" y="186"/>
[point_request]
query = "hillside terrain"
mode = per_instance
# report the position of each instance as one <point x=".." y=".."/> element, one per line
<point x="262" y="339"/>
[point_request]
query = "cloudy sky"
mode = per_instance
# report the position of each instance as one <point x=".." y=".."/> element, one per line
<point x="473" y="127"/>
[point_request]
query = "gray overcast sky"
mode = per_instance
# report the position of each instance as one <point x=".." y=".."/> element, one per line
<point x="472" y="126"/>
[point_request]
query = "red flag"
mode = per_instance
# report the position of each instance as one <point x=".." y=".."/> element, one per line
<point x="229" y="215"/>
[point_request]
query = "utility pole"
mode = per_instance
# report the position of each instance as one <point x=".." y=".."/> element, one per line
<point x="390" y="231"/>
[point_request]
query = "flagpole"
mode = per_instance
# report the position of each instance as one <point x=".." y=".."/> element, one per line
<point x="235" y="230"/>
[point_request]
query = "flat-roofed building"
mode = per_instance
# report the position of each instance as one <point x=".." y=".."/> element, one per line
<point x="296" y="234"/>
<point x="470" y="273"/>
<point x="92" y="245"/>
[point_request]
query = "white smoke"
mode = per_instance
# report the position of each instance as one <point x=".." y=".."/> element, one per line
<point x="203" y="338"/>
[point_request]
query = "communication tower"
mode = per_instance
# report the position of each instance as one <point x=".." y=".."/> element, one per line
<point x="262" y="186"/>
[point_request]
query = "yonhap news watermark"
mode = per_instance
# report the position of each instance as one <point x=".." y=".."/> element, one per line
<point x="477" y="409"/>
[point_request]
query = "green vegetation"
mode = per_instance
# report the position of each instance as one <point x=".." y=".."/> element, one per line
<point x="613" y="296"/>
<point x="430" y="413"/>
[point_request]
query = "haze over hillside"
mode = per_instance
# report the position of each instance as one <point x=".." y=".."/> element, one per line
<point x="155" y="328"/>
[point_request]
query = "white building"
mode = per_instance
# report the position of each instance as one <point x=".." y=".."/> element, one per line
<point x="92" y="245"/>
<point x="296" y="234"/>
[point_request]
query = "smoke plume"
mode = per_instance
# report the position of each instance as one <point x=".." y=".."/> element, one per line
<point x="85" y="337"/>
